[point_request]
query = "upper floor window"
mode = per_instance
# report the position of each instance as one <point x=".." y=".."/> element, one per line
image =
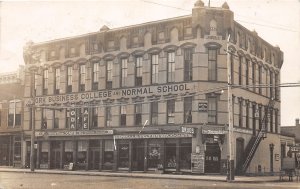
<point x="138" y="114"/>
<point x="123" y="115"/>
<point x="108" y="116"/>
<point x="154" y="68"/>
<point x="171" y="111"/>
<point x="276" y="87"/>
<point x="188" y="64"/>
<point x="94" y="121"/>
<point x="260" y="78"/>
<point x="240" y="70"/>
<point x="56" y="119"/>
<point x="45" y="82"/>
<point x="154" y="113"/>
<point x="124" y="68"/>
<point x="69" y="79"/>
<point x="171" y="66"/>
<point x="188" y="109"/>
<point x="109" y="76"/>
<point x="139" y="71"/>
<point x="240" y="113"/>
<point x="57" y="81"/>
<point x="212" y="64"/>
<point x="253" y="76"/>
<point x="14" y="113"/>
<point x="247" y="72"/>
<point x="44" y="119"/>
<point x="95" y="76"/>
<point x="82" y="78"/>
<point x="212" y="110"/>
<point x="271" y="85"/>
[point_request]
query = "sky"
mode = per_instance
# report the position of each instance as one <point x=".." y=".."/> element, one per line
<point x="276" y="21"/>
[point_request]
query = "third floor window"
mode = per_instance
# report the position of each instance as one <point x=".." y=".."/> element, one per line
<point x="139" y="71"/>
<point x="45" y="82"/>
<point x="171" y="67"/>
<point x="188" y="64"/>
<point x="69" y="79"/>
<point x="95" y="76"/>
<point x="82" y="78"/>
<point x="57" y="81"/>
<point x="124" y="68"/>
<point x="154" y="68"/>
<point x="109" y="76"/>
<point x="212" y="64"/>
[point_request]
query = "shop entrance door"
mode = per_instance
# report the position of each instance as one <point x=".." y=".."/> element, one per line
<point x="55" y="155"/>
<point x="212" y="158"/>
<point x="55" y="159"/>
<point x="94" y="159"/>
<point x="138" y="155"/>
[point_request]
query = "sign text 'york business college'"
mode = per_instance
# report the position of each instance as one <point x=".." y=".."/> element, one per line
<point x="113" y="94"/>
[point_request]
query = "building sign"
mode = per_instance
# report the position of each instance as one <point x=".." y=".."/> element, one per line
<point x="202" y="107"/>
<point x="240" y="130"/>
<point x="189" y="130"/>
<point x="74" y="133"/>
<point x="85" y="118"/>
<point x="295" y="149"/>
<point x="197" y="161"/>
<point x="143" y="136"/>
<point x="214" y="131"/>
<point x="115" y="94"/>
<point x="276" y="157"/>
<point x="73" y="119"/>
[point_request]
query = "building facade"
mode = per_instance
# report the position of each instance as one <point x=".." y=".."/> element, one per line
<point x="153" y="96"/>
<point x="11" y="115"/>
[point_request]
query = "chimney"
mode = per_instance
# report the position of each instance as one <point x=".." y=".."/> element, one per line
<point x="297" y="122"/>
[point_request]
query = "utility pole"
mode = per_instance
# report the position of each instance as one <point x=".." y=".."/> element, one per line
<point x="230" y="176"/>
<point x="32" y="152"/>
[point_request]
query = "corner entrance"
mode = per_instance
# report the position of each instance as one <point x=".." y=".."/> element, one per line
<point x="212" y="158"/>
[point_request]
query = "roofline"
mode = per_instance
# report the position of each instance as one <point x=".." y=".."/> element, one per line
<point x="111" y="30"/>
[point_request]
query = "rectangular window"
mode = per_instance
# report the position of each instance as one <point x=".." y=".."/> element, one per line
<point x="260" y="78"/>
<point x="232" y="68"/>
<point x="154" y="69"/>
<point x="45" y="82"/>
<point x="109" y="76"/>
<point x="44" y="119"/>
<point x="240" y="113"/>
<point x="276" y="87"/>
<point x="108" y="116"/>
<point x="14" y="113"/>
<point x="188" y="64"/>
<point x="69" y="79"/>
<point x="57" y="81"/>
<point x="247" y="115"/>
<point x="138" y="114"/>
<point x="95" y="76"/>
<point x="139" y="71"/>
<point x="123" y="115"/>
<point x="82" y="78"/>
<point x="94" y="117"/>
<point x="35" y="83"/>
<point x="276" y="121"/>
<point x="271" y="85"/>
<point x="124" y="68"/>
<point x="68" y="118"/>
<point x="212" y="110"/>
<point x="171" y="111"/>
<point x="154" y="113"/>
<point x="212" y="64"/>
<point x="271" y="121"/>
<point x="253" y="76"/>
<point x="171" y="67"/>
<point x="240" y="70"/>
<point x="247" y="72"/>
<point x="56" y="119"/>
<point x="188" y="109"/>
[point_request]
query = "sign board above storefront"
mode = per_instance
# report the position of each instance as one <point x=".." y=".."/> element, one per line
<point x="115" y="94"/>
<point x="74" y="133"/>
<point x="144" y="136"/>
<point x="189" y="130"/>
<point x="214" y="131"/>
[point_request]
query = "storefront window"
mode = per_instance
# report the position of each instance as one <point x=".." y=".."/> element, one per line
<point x="108" y="155"/>
<point x="68" y="152"/>
<point x="185" y="155"/>
<point x="154" y="155"/>
<point x="82" y="149"/>
<point x="44" y="153"/>
<point x="171" y="155"/>
<point x="123" y="155"/>
<point x="17" y="149"/>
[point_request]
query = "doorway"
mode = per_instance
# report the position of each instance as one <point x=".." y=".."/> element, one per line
<point x="212" y="158"/>
<point x="55" y="155"/>
<point x="138" y="155"/>
<point x="240" y="155"/>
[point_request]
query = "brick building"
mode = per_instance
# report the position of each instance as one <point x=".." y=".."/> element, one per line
<point x="11" y="114"/>
<point x="153" y="96"/>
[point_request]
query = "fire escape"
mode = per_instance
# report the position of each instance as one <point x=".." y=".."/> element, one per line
<point x="255" y="140"/>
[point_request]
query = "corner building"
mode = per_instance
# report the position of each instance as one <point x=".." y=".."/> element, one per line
<point x="153" y="96"/>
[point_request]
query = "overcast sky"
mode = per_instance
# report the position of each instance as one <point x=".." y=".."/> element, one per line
<point x="276" y="21"/>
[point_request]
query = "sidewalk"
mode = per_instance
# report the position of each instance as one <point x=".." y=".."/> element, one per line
<point x="219" y="178"/>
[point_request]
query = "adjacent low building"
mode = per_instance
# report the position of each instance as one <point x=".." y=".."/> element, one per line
<point x="11" y="116"/>
<point x="153" y="96"/>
